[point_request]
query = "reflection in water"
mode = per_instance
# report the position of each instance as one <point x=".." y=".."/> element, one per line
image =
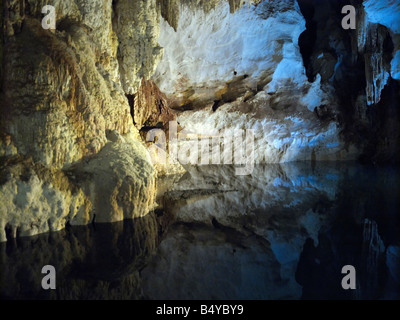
<point x="285" y="232"/>
<point x="93" y="262"/>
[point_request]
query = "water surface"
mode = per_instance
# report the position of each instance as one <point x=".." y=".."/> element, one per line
<point x="285" y="232"/>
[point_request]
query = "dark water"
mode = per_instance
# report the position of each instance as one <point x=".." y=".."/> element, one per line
<point x="285" y="232"/>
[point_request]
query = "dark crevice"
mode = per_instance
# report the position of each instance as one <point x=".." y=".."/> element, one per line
<point x="308" y="37"/>
<point x="384" y="122"/>
<point x="216" y="105"/>
<point x="131" y="101"/>
<point x="114" y="5"/>
<point x="187" y="106"/>
<point x="65" y="24"/>
<point x="216" y="224"/>
<point x="8" y="231"/>
<point x="340" y="64"/>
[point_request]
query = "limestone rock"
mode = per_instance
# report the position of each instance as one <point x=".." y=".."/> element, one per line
<point x="377" y="62"/>
<point x="64" y="109"/>
<point x="36" y="199"/>
<point x="137" y="26"/>
<point x="119" y="180"/>
<point x="170" y="9"/>
<point x="70" y="98"/>
<point x="150" y="107"/>
<point x="66" y="100"/>
<point x="209" y="48"/>
<point x="260" y="84"/>
<point x="116" y="184"/>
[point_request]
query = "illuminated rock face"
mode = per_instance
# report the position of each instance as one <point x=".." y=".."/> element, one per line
<point x="72" y="151"/>
<point x="117" y="183"/>
<point x="288" y="71"/>
<point x="245" y="71"/>
<point x="208" y="48"/>
<point x="137" y="27"/>
<point x="381" y="45"/>
<point x="387" y="14"/>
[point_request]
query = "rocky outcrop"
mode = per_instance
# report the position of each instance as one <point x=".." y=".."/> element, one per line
<point x="260" y="84"/>
<point x="137" y="24"/>
<point x="65" y="118"/>
<point x="117" y="183"/>
<point x="386" y="14"/>
<point x="171" y="9"/>
<point x="358" y="65"/>
<point x="149" y="107"/>
<point x="377" y="62"/>
<point x="67" y="91"/>
<point x="37" y="199"/>
<point x="209" y="48"/>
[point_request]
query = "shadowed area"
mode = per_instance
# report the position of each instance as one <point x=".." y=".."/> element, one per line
<point x="285" y="232"/>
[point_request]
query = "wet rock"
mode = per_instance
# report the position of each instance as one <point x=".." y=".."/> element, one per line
<point x="63" y="106"/>
<point x="118" y="183"/>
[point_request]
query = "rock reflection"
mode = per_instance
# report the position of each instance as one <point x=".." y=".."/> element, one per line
<point x="92" y="262"/>
<point x="285" y="232"/>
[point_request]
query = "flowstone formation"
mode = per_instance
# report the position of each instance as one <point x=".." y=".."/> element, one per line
<point x="69" y="148"/>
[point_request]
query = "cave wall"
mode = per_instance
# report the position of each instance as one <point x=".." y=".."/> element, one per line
<point x="260" y="84"/>
<point x="70" y="153"/>
<point x="359" y="64"/>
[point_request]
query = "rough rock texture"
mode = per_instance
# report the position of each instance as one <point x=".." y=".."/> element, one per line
<point x="64" y="110"/>
<point x="208" y="48"/>
<point x="386" y="14"/>
<point x="117" y="183"/>
<point x="137" y="26"/>
<point x="37" y="199"/>
<point x="282" y="133"/>
<point x="66" y="99"/>
<point x="260" y="84"/>
<point x="377" y="62"/>
<point x="171" y="9"/>
<point x="346" y="71"/>
<point x="120" y="180"/>
<point x="150" y="111"/>
<point x="149" y="107"/>
<point x="358" y="65"/>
